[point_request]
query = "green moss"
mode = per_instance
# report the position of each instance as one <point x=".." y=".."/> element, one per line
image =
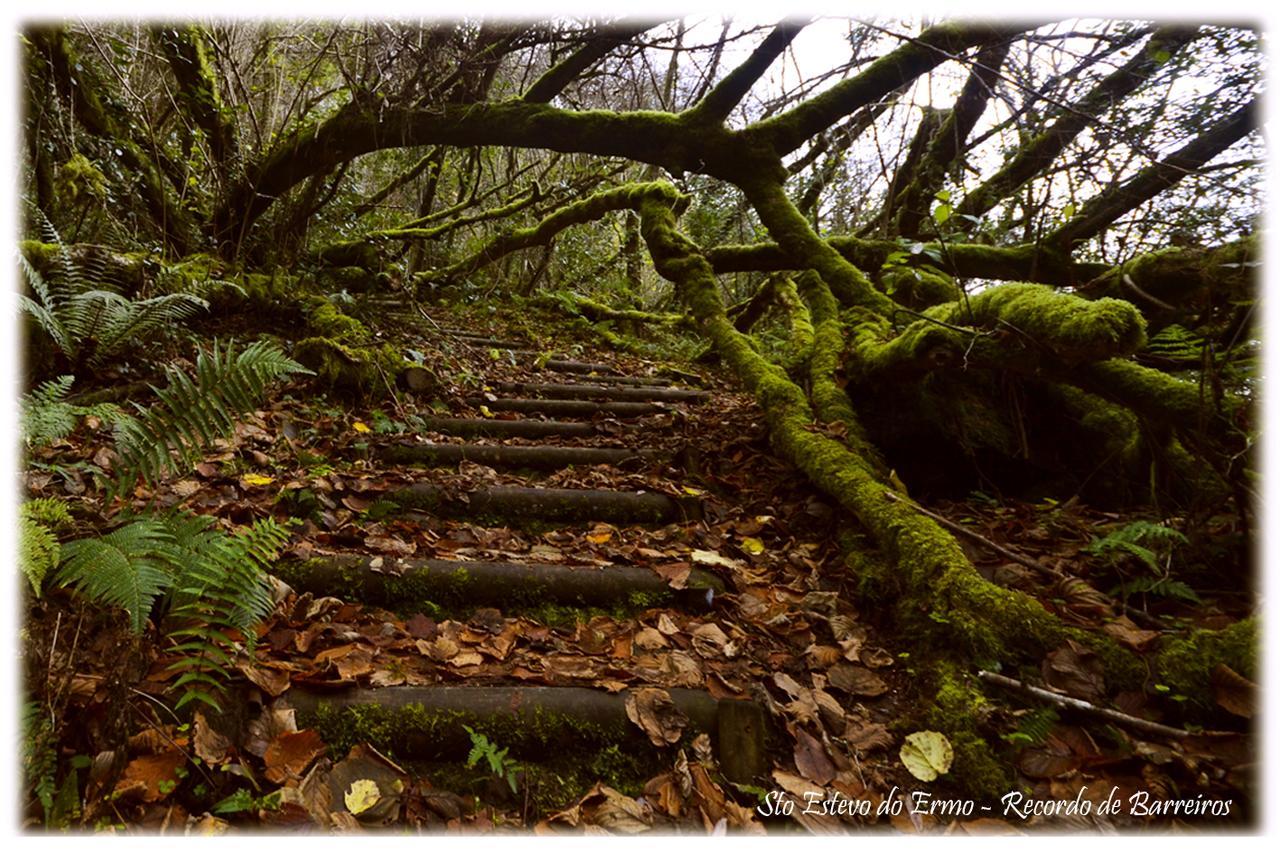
<point x="919" y="287"/>
<point x="959" y="712"/>
<point x="80" y="182"/>
<point x="1073" y="329"/>
<point x="360" y="371"/>
<point x="1186" y="665"/>
<point x="351" y="253"/>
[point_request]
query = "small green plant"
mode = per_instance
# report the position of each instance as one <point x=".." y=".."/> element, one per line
<point x="47" y="416"/>
<point x="1033" y="727"/>
<point x="242" y="800"/>
<point x="81" y="311"/>
<point x="496" y="758"/>
<point x="193" y="413"/>
<point x="215" y="584"/>
<point x="39" y="521"/>
<point x="1151" y="546"/>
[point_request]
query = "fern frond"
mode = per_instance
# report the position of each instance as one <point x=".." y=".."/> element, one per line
<point x="139" y="320"/>
<point x="38" y="551"/>
<point x="46" y="417"/>
<point x="53" y="513"/>
<point x="191" y="414"/>
<point x="127" y="568"/>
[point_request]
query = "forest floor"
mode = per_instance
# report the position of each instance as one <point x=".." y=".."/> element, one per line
<point x="790" y="635"/>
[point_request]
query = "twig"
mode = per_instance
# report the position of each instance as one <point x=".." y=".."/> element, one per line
<point x="978" y="538"/>
<point x="1136" y="614"/>
<point x="1065" y="701"/>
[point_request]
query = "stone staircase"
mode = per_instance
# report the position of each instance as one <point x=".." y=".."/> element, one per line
<point x="553" y="424"/>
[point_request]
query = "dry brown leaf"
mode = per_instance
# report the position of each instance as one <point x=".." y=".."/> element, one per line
<point x="391" y="545"/>
<point x="1233" y="692"/>
<point x="709" y="640"/>
<point x="812" y="760"/>
<point x="865" y="736"/>
<point x="855" y="679"/>
<point x="151" y="778"/>
<point x="290" y="754"/>
<point x="653" y="710"/>
<point x="210" y="745"/>
<point x="1126" y="632"/>
<point x="649" y="638"/>
<point x="272" y="680"/>
<point x="272" y="722"/>
<point x="1075" y="670"/>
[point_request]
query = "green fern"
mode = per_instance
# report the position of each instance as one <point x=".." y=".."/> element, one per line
<point x="47" y="416"/>
<point x="215" y="581"/>
<point x="38" y="552"/>
<point x="87" y="320"/>
<point x="1167" y="588"/>
<point x="1149" y="542"/>
<point x="496" y="758"/>
<point x="221" y="588"/>
<point x="53" y="513"/>
<point x="127" y="568"/>
<point x="193" y="413"/>
<point x="1033" y="727"/>
<point x="1176" y="343"/>
<point x="38" y="548"/>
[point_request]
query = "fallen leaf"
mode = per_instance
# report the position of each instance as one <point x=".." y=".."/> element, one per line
<point x="1075" y="670"/>
<point x="752" y="545"/>
<point x="362" y="795"/>
<point x="210" y="745"/>
<point x="391" y="545"/>
<point x="653" y="710"/>
<point x="361" y="427"/>
<point x="1233" y="692"/>
<point x="290" y="754"/>
<point x="812" y="760"/>
<point x="926" y="755"/>
<point x="151" y="777"/>
<point x="251" y="480"/>
<point x="711" y="558"/>
<point x="855" y="679"/>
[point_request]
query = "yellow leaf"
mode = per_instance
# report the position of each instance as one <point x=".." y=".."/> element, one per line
<point x="362" y="795"/>
<point x="926" y="755"/>
<point x="598" y="537"/>
<point x="486" y="412"/>
<point x="257" y="479"/>
<point x="752" y="545"/>
<point x="693" y="490"/>
<point x="361" y="427"/>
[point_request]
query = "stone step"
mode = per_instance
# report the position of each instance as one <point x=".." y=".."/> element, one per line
<point x="568" y="408"/>
<point x="543" y="457"/>
<point x="427" y="722"/>
<point x="517" y="503"/>
<point x="567" y="391"/>
<point x="401" y="583"/>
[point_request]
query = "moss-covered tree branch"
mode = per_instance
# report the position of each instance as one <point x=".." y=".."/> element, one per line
<point x="1046" y="147"/>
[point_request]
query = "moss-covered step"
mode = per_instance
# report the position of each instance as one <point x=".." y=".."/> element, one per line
<point x="569" y="408"/>
<point x="522" y="428"/>
<point x="622" y="379"/>
<point x="566" y="391"/>
<point x="543" y="457"/>
<point x="427" y="723"/>
<point x="552" y="505"/>
<point x="404" y="583"/>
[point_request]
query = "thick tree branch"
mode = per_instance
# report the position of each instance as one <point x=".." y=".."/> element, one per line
<point x="788" y="131"/>
<point x="1046" y="147"/>
<point x="720" y="101"/>
<point x="1104" y="209"/>
<point x="555" y="79"/>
